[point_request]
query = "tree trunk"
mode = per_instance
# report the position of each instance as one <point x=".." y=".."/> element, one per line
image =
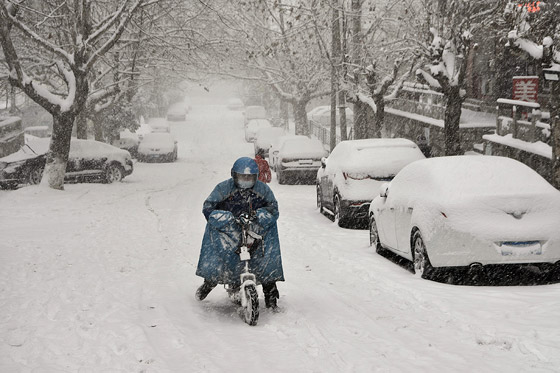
<point x="57" y="156"/>
<point x="81" y="125"/>
<point x="360" y="120"/>
<point x="379" y="122"/>
<point x="97" y="129"/>
<point x="13" y="104"/>
<point x="555" y="129"/>
<point x="300" y="117"/>
<point x="454" y="102"/>
<point x="342" y="114"/>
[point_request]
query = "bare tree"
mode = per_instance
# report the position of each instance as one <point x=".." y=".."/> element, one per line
<point x="275" y="42"/>
<point x="67" y="39"/>
<point x="382" y="52"/>
<point x="452" y="25"/>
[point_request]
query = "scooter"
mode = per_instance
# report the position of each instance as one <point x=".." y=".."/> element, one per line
<point x="248" y="295"/>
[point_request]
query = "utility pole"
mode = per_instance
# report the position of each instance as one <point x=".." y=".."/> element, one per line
<point x="342" y="93"/>
<point x="334" y="65"/>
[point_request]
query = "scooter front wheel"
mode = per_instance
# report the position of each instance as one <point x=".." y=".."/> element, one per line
<point x="251" y="308"/>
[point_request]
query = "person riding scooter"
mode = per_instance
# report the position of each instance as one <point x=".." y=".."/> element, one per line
<point x="218" y="262"/>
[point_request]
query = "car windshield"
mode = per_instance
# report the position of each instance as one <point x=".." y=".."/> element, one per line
<point x="157" y="138"/>
<point x="302" y="148"/>
<point x="379" y="162"/>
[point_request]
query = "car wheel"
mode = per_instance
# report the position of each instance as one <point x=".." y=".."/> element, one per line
<point x="339" y="215"/>
<point x="374" y="236"/>
<point x="420" y="259"/>
<point x="114" y="173"/>
<point x="35" y="176"/>
<point x="319" y="199"/>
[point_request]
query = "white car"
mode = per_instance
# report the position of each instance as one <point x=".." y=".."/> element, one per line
<point x="351" y="176"/>
<point x="254" y="112"/>
<point x="235" y="104"/>
<point x="468" y="211"/>
<point x="298" y="160"/>
<point x="322" y="116"/>
<point x="159" y="125"/>
<point x="157" y="146"/>
<point x="253" y="126"/>
<point x="177" y="112"/>
<point x="275" y="149"/>
<point x="265" y="137"/>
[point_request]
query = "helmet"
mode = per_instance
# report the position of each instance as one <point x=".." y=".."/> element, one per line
<point x="244" y="172"/>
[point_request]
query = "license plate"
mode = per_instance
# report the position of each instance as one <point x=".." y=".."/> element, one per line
<point x="521" y="248"/>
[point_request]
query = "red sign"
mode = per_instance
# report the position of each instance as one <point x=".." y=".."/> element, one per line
<point x="532" y="6"/>
<point x="525" y="88"/>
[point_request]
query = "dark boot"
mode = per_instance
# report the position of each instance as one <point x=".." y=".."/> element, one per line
<point x="271" y="295"/>
<point x="205" y="289"/>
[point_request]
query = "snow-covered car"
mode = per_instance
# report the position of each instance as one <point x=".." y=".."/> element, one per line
<point x="177" y="112"/>
<point x="253" y="126"/>
<point x="91" y="160"/>
<point x="349" y="179"/>
<point x="128" y="141"/>
<point x="275" y="149"/>
<point x="468" y="211"/>
<point x="265" y="137"/>
<point x="235" y="104"/>
<point x="322" y="116"/>
<point x="157" y="146"/>
<point x="38" y="131"/>
<point x="88" y="160"/>
<point x="159" y="125"/>
<point x="24" y="166"/>
<point x="319" y="109"/>
<point x="254" y="112"/>
<point x="298" y="160"/>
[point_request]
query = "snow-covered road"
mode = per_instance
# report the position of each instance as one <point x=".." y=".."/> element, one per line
<point x="100" y="278"/>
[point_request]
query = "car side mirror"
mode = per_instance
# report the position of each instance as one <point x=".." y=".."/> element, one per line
<point x="384" y="190"/>
<point x="324" y="162"/>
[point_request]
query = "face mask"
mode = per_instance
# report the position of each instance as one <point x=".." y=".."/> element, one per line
<point x="245" y="184"/>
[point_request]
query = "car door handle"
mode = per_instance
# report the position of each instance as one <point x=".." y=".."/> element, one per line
<point x="410" y="210"/>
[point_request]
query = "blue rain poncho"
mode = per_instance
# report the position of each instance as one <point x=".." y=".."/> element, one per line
<point x="218" y="261"/>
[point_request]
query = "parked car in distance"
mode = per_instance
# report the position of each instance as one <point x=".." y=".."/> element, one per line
<point x="319" y="109"/>
<point x="235" y="104"/>
<point x="177" y="112"/>
<point x="468" y="211"/>
<point x="128" y="141"/>
<point x="24" y="166"/>
<point x="298" y="160"/>
<point x="38" y="131"/>
<point x="275" y="149"/>
<point x="351" y="176"/>
<point x="253" y="126"/>
<point x="265" y="137"/>
<point x="322" y="116"/>
<point x="159" y="125"/>
<point x="88" y="160"/>
<point x="254" y="112"/>
<point x="158" y="147"/>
